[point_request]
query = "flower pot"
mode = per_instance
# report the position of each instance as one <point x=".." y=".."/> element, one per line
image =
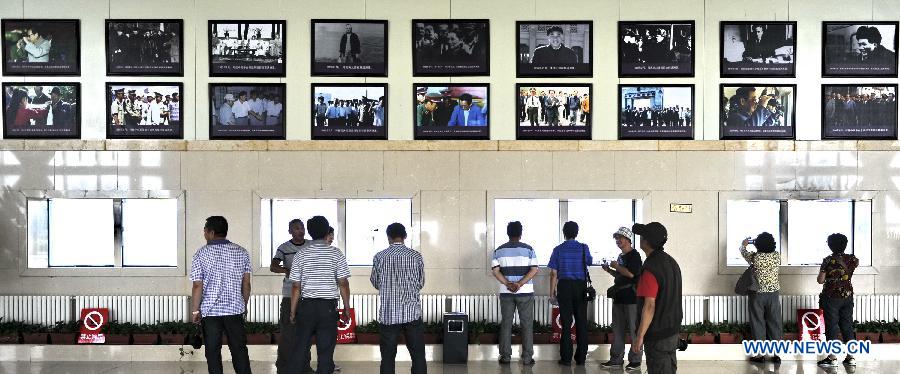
<point x="542" y="338"/>
<point x="433" y="338"/>
<point x="276" y="338"/>
<point x="792" y="336"/>
<point x="144" y="339"/>
<point x="11" y="338"/>
<point x="729" y="338"/>
<point x="35" y="338"/>
<point x="610" y="337"/>
<point x="485" y="339"/>
<point x="367" y="338"/>
<point x="172" y="339"/>
<point x="117" y="339"/>
<point x="63" y="338"/>
<point x="597" y="338"/>
<point x="702" y="338"/>
<point x="259" y="339"/>
<point x="890" y="338"/>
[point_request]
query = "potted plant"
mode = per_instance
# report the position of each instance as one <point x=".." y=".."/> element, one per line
<point x="173" y="332"/>
<point x="116" y="334"/>
<point x="434" y="332"/>
<point x="33" y="333"/>
<point x="64" y="332"/>
<point x="868" y="331"/>
<point x="142" y="334"/>
<point x="731" y="333"/>
<point x="9" y="331"/>
<point x="542" y="333"/>
<point x="703" y="333"/>
<point x="599" y="334"/>
<point x="891" y="332"/>
<point x="260" y="332"/>
<point x="368" y="333"/>
<point x="791" y="332"/>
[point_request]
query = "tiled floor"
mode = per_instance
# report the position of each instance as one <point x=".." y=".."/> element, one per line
<point x="542" y="367"/>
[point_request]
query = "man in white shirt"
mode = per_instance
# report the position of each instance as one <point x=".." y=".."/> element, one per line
<point x="273" y="111"/>
<point x="241" y="110"/>
<point x="117" y="108"/>
<point x="34" y="44"/>
<point x="257" y="110"/>
<point x="226" y="116"/>
<point x="532" y="105"/>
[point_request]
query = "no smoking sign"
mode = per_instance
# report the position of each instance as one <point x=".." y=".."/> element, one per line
<point x="92" y="322"/>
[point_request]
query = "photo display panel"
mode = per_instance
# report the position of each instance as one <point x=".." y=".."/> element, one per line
<point x="42" y="110"/>
<point x="751" y="111"/>
<point x="553" y="111"/>
<point x="349" y="111"/>
<point x="451" y="111"/>
<point x="656" y="111"/>
<point x="247" y="48"/>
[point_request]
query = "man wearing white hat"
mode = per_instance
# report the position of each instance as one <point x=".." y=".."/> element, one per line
<point x="226" y="117"/>
<point x="625" y="271"/>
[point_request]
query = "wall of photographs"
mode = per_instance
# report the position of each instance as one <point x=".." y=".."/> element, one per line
<point x="627" y="69"/>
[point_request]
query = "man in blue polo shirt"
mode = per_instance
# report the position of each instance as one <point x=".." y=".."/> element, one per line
<point x="514" y="265"/>
<point x="568" y="281"/>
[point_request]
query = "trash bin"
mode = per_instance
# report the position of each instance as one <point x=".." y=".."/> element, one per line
<point x="456" y="338"/>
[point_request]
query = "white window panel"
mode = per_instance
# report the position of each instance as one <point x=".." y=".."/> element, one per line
<point x="37" y="233"/>
<point x="150" y="232"/>
<point x="809" y="224"/>
<point x="540" y="224"/>
<point x="749" y="218"/>
<point x="283" y="211"/>
<point x="367" y="220"/>
<point x="597" y="221"/>
<point x="81" y="232"/>
<point x="862" y="232"/>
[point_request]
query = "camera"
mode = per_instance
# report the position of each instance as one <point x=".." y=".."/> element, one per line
<point x="682" y="345"/>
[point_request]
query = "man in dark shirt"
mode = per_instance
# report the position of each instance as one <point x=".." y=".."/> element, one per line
<point x="871" y="51"/>
<point x="626" y="270"/>
<point x="554" y="53"/>
<point x="350" y="47"/>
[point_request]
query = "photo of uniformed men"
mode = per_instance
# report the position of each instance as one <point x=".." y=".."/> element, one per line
<point x="760" y="112"/>
<point x="144" y="47"/>
<point x="656" y="49"/>
<point x="146" y="110"/>
<point x="349" y="111"/>
<point x="859" y="111"/>
<point x="249" y="48"/>
<point x="349" y="47"/>
<point x="758" y="49"/>
<point x="656" y="112"/>
<point x="40" y="47"/>
<point x="41" y="110"/>
<point x="444" y="47"/>
<point x="451" y="112"/>
<point x="254" y="111"/>
<point x="547" y="111"/>
<point x="554" y="49"/>
<point x="860" y="50"/>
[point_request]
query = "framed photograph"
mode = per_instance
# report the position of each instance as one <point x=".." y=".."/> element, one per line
<point x="247" y="48"/>
<point x="41" y="47"/>
<point x="859" y="111"/>
<point x="451" y="47"/>
<point x="553" y="111"/>
<point x="656" y="49"/>
<point x="758" y="49"/>
<point x="145" y="47"/>
<point x="662" y="112"/>
<point x="554" y="49"/>
<point x="750" y="111"/>
<point x="247" y="111"/>
<point x="349" y="111"/>
<point x="859" y="49"/>
<point x="35" y="110"/>
<point x="451" y="111"/>
<point x="142" y="110"/>
<point x="347" y="47"/>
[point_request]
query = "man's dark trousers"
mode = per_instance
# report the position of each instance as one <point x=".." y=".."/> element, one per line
<point x="317" y="317"/>
<point x="570" y="294"/>
<point x="414" y="331"/>
<point x="233" y="327"/>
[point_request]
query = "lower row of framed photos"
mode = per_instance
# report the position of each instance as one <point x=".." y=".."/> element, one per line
<point x="140" y="110"/>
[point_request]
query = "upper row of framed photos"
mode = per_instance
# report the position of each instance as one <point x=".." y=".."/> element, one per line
<point x="352" y="47"/>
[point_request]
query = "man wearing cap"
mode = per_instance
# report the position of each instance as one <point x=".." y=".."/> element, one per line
<point x="625" y="271"/>
<point x="659" y="301"/>
<point x="445" y="108"/>
<point x="226" y="114"/>
<point x="132" y="109"/>
<point x="554" y="53"/>
<point x="532" y="106"/>
<point x="117" y="108"/>
<point x="425" y="111"/>
<point x="568" y="281"/>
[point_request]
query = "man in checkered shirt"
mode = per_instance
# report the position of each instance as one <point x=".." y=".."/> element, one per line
<point x="220" y="272"/>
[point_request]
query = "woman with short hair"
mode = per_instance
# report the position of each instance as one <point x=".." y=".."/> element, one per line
<point x="836" y="299"/>
<point x="765" y="305"/>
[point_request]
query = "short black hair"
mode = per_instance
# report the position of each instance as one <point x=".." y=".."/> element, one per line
<point x="552" y="29"/>
<point x="218" y="225"/>
<point x="295" y="221"/>
<point x="330" y="230"/>
<point x="317" y="227"/>
<point x="837" y="242"/>
<point x="744" y="92"/>
<point x="396" y="230"/>
<point x="765" y="243"/>
<point x="570" y="230"/>
<point x="514" y="229"/>
<point x="466" y="97"/>
<point x="869" y="33"/>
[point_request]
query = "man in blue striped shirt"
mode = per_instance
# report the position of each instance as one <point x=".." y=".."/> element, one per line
<point x="398" y="273"/>
<point x="568" y="282"/>
<point x="514" y="265"/>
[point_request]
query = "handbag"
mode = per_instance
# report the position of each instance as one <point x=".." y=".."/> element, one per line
<point x="589" y="292"/>
<point x="747" y="283"/>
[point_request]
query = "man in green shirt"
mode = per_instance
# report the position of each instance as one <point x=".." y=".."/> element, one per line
<point x="425" y="110"/>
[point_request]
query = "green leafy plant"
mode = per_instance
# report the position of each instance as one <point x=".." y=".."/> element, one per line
<point x="436" y="328"/>
<point x="62" y="327"/>
<point x="369" y="328"/>
<point x="261" y="327"/>
<point x="174" y="327"/>
<point x="10" y="327"/>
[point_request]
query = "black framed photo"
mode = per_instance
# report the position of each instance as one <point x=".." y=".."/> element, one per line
<point x="451" y="111"/>
<point x="143" y="110"/>
<point x="859" y="111"/>
<point x="41" y="47"/>
<point x="553" y="111"/>
<point x="758" y="49"/>
<point x="247" y="48"/>
<point x="42" y="110"/>
<point x="451" y="47"/>
<point x="247" y="111"/>
<point x="349" y="111"/>
<point x="662" y="112"/>
<point x="349" y="47"/>
<point x="752" y="111"/>
<point x="859" y="49"/>
<point x="554" y="49"/>
<point x="145" y="47"/>
<point x="656" y="48"/>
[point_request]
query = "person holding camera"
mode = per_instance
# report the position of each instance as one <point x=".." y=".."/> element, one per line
<point x="659" y="301"/>
<point x="625" y="271"/>
<point x="836" y="300"/>
<point x="765" y="306"/>
<point x="568" y="284"/>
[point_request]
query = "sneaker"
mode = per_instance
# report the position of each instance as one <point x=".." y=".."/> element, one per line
<point x="528" y="361"/>
<point x="610" y="364"/>
<point x="633" y="366"/>
<point x="827" y="362"/>
<point x="776" y="359"/>
<point x="337" y="369"/>
<point x="758" y="359"/>
<point x="849" y="361"/>
<point x="504" y="360"/>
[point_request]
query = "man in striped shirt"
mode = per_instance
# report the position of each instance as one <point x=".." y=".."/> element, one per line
<point x="320" y="274"/>
<point x="220" y="272"/>
<point x="514" y="265"/>
<point x="281" y="264"/>
<point x="398" y="274"/>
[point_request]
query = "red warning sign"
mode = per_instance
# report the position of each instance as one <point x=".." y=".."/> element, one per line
<point x="347" y="330"/>
<point x="811" y="324"/>
<point x="92" y="322"/>
<point x="557" y="326"/>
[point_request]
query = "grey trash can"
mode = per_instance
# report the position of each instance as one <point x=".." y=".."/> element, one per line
<point x="456" y="338"/>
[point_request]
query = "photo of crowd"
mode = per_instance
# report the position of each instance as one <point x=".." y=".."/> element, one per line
<point x="758" y="49"/>
<point x="249" y="48"/>
<point x="247" y="111"/>
<point x="451" y="112"/>
<point x="547" y="111"/>
<point x="41" y="110"/>
<point x="859" y="111"/>
<point x="757" y="112"/>
<point x="656" y="49"/>
<point x="144" y="47"/>
<point x="349" y="111"/>
<point x="41" y="47"/>
<point x="554" y="49"/>
<point x="860" y="50"/>
<point x="145" y="110"/>
<point x="443" y="47"/>
<point x="349" y="47"/>
<point x="656" y="112"/>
